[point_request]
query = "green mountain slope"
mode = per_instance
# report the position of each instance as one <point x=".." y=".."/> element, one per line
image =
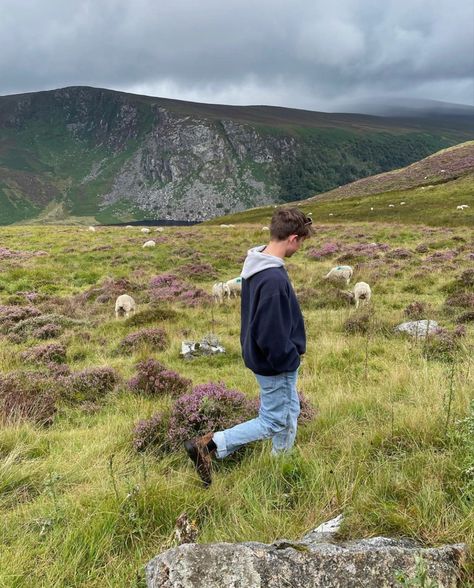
<point x="426" y="192"/>
<point x="97" y="154"/>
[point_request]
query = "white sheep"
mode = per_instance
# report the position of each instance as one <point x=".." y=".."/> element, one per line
<point x="402" y="203"/>
<point x="340" y="272"/>
<point x="159" y="229"/>
<point x="234" y="287"/>
<point x="362" y="292"/>
<point x="462" y="206"/>
<point x="124" y="305"/>
<point x="219" y="290"/>
<point x="391" y="205"/>
<point x="149" y="244"/>
<point x="92" y="229"/>
<point x="265" y="229"/>
<point x="129" y="227"/>
<point x="145" y="230"/>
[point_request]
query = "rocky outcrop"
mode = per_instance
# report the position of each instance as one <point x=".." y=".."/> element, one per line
<point x="314" y="562"/>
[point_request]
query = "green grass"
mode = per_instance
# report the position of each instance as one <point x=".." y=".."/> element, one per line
<point x="79" y="507"/>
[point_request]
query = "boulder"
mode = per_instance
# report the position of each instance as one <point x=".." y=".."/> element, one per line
<point x="314" y="562"/>
<point x="418" y="328"/>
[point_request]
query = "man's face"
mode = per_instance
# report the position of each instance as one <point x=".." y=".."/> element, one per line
<point x="293" y="243"/>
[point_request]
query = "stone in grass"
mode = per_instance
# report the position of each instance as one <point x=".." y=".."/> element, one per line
<point x="314" y="562"/>
<point x="418" y="328"/>
<point x="209" y="345"/>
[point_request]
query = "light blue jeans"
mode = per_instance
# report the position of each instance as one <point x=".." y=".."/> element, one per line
<point x="277" y="417"/>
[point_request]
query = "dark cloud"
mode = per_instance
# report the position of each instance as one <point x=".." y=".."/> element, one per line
<point x="305" y="53"/>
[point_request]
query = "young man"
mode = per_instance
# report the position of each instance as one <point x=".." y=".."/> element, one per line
<point x="273" y="339"/>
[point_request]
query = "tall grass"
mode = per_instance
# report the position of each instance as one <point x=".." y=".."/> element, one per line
<point x="79" y="507"/>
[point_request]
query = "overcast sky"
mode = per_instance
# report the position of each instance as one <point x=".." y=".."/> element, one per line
<point x="314" y="54"/>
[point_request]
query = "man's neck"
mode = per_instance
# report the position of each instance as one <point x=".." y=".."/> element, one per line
<point x="276" y="248"/>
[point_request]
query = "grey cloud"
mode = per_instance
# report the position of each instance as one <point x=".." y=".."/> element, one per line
<point x="307" y="53"/>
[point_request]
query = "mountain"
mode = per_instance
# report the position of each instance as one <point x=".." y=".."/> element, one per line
<point x="85" y="154"/>
<point x="428" y="192"/>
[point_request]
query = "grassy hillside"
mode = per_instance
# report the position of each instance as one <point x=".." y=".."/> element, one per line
<point x="426" y="192"/>
<point x="388" y="443"/>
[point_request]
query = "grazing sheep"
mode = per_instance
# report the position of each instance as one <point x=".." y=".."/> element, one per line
<point x="219" y="290"/>
<point x="265" y="229"/>
<point x="124" y="305"/>
<point x="145" y="230"/>
<point x="362" y="292"/>
<point x="462" y="206"/>
<point x="340" y="272"/>
<point x="129" y="227"/>
<point x="234" y="287"/>
<point x="149" y="244"/>
<point x="402" y="203"/>
<point x="159" y="229"/>
<point x="391" y="205"/>
<point x="92" y="229"/>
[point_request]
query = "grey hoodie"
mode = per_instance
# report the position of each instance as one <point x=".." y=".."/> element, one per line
<point x="256" y="261"/>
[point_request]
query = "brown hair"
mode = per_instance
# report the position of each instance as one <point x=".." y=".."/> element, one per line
<point x="290" y="221"/>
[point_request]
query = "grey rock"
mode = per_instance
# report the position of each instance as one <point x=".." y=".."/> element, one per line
<point x="418" y="328"/>
<point x="370" y="563"/>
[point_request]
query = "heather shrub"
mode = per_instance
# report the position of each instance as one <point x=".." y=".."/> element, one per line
<point x="50" y="353"/>
<point x="150" y="315"/>
<point x="359" y="322"/>
<point x="460" y="300"/>
<point x="441" y="256"/>
<point x="326" y="250"/>
<point x="466" y="279"/>
<point x="209" y="407"/>
<point x="199" y="270"/>
<point x="11" y="315"/>
<point x="155" y="337"/>
<point x="421" y="248"/>
<point x="324" y="295"/>
<point x="466" y="317"/>
<point x="89" y="385"/>
<point x="25" y="328"/>
<point x="48" y="331"/>
<point x="150" y="434"/>
<point x="416" y="310"/>
<point x="443" y="345"/>
<point x="168" y="287"/>
<point x="27" y="396"/>
<point x="108" y="290"/>
<point x="399" y="253"/>
<point x="154" y="379"/>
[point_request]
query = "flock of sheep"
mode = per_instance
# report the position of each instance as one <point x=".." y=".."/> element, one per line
<point x="362" y="293"/>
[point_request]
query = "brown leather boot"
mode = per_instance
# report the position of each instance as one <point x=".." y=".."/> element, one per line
<point x="201" y="456"/>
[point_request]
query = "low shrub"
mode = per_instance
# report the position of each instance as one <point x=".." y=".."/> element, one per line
<point x="326" y="250"/>
<point x="27" y="396"/>
<point x="150" y="433"/>
<point x="50" y="353"/>
<point x="443" y="345"/>
<point x="358" y="323"/>
<point x="26" y="327"/>
<point x="155" y="337"/>
<point x="199" y="270"/>
<point x="48" y="331"/>
<point x="168" y="287"/>
<point x="154" y="379"/>
<point x="209" y="407"/>
<point x="416" y="310"/>
<point x="89" y="385"/>
<point x="150" y="315"/>
<point x="466" y="317"/>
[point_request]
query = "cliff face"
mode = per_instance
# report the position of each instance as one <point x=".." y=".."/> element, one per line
<point x="119" y="157"/>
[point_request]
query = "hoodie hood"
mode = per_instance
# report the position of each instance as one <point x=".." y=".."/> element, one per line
<point x="256" y="261"/>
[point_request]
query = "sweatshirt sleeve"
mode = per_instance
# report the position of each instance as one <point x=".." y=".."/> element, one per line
<point x="271" y="328"/>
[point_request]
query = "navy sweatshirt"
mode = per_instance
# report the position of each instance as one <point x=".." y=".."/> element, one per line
<point x="272" y="331"/>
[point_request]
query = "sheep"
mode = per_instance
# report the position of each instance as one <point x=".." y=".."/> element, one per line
<point x="159" y="229"/>
<point x="234" y="287"/>
<point x="219" y="290"/>
<point x="124" y="305"/>
<point x="371" y="208"/>
<point x="391" y="205"/>
<point x="402" y="203"/>
<point x="149" y="244"/>
<point x="92" y="229"/>
<point x="363" y="292"/>
<point x="265" y="229"/>
<point x="340" y="272"/>
<point x="462" y="206"/>
<point x="129" y="227"/>
<point x="145" y="230"/>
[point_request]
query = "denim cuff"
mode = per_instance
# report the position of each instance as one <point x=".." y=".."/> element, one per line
<point x="219" y="440"/>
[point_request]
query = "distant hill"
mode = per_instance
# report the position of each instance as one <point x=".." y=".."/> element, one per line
<point x="90" y="155"/>
<point x="426" y="192"/>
